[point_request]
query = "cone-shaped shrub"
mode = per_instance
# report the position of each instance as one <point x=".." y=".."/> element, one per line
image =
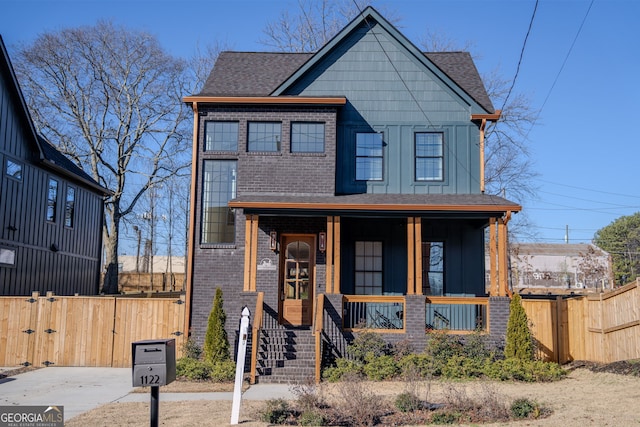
<point x="519" y="344"/>
<point x="216" y="345"/>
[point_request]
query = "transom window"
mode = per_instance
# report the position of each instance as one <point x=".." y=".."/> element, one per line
<point x="369" y="156"/>
<point x="368" y="280"/>
<point x="429" y="156"/>
<point x="52" y="200"/>
<point x="70" y="207"/>
<point x="307" y="137"/>
<point x="433" y="268"/>
<point x="219" y="186"/>
<point x="221" y="136"/>
<point x="13" y="169"/>
<point x="264" y="137"/>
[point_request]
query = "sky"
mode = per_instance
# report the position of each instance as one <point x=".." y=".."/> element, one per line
<point x="579" y="68"/>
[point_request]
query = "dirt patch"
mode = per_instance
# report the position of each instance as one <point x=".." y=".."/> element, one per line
<point x="584" y="398"/>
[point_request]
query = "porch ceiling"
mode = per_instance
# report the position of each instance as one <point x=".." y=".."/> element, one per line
<point x="468" y="205"/>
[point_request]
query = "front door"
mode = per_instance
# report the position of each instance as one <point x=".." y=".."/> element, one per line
<point x="296" y="283"/>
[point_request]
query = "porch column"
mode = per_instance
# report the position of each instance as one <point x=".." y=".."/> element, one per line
<point x="333" y="255"/>
<point x="414" y="256"/>
<point x="493" y="250"/>
<point x="250" y="252"/>
<point x="503" y="256"/>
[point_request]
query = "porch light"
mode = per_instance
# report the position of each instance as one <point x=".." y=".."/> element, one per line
<point x="273" y="240"/>
<point x="322" y="241"/>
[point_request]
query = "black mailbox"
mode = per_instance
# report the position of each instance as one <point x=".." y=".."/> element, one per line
<point x="154" y="362"/>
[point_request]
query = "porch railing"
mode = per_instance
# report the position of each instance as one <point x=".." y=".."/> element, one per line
<point x="255" y="334"/>
<point x="384" y="313"/>
<point x="457" y="314"/>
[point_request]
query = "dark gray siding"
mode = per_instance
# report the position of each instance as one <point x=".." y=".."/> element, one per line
<point x="75" y="266"/>
<point x="389" y="90"/>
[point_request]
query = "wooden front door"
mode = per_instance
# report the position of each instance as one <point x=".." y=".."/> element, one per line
<point x="296" y="282"/>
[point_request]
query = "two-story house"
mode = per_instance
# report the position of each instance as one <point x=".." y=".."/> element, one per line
<point x="343" y="189"/>
<point x="51" y="211"/>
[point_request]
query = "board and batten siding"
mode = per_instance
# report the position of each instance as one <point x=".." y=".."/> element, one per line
<point x="75" y="266"/>
<point x="389" y="90"/>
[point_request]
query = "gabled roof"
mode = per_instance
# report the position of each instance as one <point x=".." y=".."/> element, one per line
<point x="46" y="153"/>
<point x="264" y="74"/>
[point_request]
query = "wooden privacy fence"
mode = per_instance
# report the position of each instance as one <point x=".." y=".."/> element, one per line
<point x="602" y="327"/>
<point x="84" y="331"/>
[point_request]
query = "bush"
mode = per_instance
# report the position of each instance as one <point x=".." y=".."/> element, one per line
<point x="191" y="349"/>
<point x="276" y="411"/>
<point x="525" y="408"/>
<point x="192" y="369"/>
<point x="445" y="417"/>
<point x="408" y="402"/>
<point x="420" y="363"/>
<point x="524" y="370"/>
<point x="344" y="367"/>
<point x="216" y="345"/>
<point x="224" y="371"/>
<point x="312" y="418"/>
<point x="381" y="368"/>
<point x="358" y="405"/>
<point x="519" y="343"/>
<point x="368" y="344"/>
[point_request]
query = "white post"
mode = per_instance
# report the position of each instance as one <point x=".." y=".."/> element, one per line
<point x="242" y="351"/>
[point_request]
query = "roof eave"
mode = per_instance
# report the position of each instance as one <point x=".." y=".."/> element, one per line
<point x="272" y="100"/>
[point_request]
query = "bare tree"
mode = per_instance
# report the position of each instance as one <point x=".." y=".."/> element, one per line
<point x="110" y="98"/>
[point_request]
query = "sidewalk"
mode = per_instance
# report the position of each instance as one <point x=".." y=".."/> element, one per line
<point x="83" y="389"/>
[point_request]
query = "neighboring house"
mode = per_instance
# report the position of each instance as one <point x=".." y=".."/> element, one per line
<point x="142" y="264"/>
<point x="560" y="268"/>
<point x="51" y="212"/>
<point x="344" y="189"/>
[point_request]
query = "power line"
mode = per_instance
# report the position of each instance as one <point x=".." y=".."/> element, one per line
<point x="609" y="193"/>
<point x="524" y="44"/>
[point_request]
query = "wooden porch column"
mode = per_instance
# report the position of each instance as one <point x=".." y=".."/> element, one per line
<point x="411" y="260"/>
<point x="493" y="271"/>
<point x="329" y="255"/>
<point x="503" y="267"/>
<point x="333" y="255"/>
<point x="250" y="252"/>
<point x="414" y="256"/>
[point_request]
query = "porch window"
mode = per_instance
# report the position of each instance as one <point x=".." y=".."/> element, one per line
<point x="433" y="268"/>
<point x="429" y="156"/>
<point x="369" y="156"/>
<point x="52" y="200"/>
<point x="70" y="207"/>
<point x="264" y="137"/>
<point x="307" y="137"/>
<point x="218" y="187"/>
<point x="368" y="280"/>
<point x="221" y="136"/>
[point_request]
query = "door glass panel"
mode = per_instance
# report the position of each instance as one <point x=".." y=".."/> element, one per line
<point x="297" y="270"/>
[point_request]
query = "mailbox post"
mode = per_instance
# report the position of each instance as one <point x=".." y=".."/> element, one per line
<point x="154" y="365"/>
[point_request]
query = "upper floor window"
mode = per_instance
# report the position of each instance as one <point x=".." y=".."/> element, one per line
<point x="221" y="136"/>
<point x="264" y="136"/>
<point x="218" y="187"/>
<point x="368" y="280"/>
<point x="70" y="207"/>
<point x="307" y="137"/>
<point x="52" y="200"/>
<point x="13" y="169"/>
<point x="369" y="155"/>
<point x="429" y="156"/>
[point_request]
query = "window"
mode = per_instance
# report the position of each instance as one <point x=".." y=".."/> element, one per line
<point x="307" y="137"/>
<point x="52" y="200"/>
<point x="221" y="136"/>
<point x="429" y="156"/>
<point x="219" y="186"/>
<point x="7" y="256"/>
<point x="369" y="157"/>
<point x="433" y="268"/>
<point x="13" y="169"/>
<point x="264" y="137"/>
<point x="368" y="280"/>
<point x="70" y="207"/>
